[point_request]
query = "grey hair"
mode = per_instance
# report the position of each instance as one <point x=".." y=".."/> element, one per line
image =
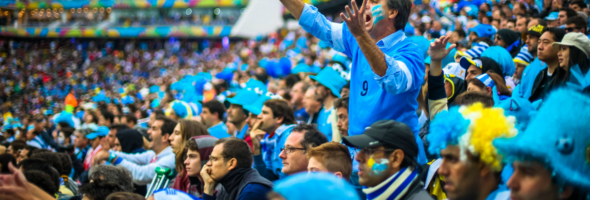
<point x="84" y="132"/>
<point x="108" y="173"/>
<point x="403" y="7"/>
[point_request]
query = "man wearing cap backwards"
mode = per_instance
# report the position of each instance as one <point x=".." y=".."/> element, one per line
<point x="387" y="69"/>
<point x="387" y="164"/>
<point x="561" y="168"/>
<point x="327" y="90"/>
<point x="470" y="168"/>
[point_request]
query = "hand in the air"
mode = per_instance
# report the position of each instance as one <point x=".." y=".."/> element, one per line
<point x="438" y="50"/>
<point x="355" y="21"/>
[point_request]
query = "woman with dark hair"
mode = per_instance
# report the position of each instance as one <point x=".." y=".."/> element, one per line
<point x="574" y="51"/>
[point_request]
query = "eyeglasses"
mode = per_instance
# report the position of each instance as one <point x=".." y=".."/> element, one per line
<point x="571" y="29"/>
<point x="291" y="150"/>
<point x="371" y="150"/>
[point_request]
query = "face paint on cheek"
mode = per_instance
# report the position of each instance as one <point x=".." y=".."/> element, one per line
<point x="377" y="12"/>
<point x="378" y="166"/>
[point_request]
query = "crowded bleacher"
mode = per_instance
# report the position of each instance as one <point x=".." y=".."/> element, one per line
<point x="382" y="99"/>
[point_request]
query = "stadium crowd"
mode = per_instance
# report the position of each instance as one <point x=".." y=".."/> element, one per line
<point x="394" y="103"/>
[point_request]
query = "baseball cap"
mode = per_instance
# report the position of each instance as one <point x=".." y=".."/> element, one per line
<point x="101" y="131"/>
<point x="578" y="40"/>
<point x="536" y="30"/>
<point x="466" y="63"/>
<point x="484" y="30"/>
<point x="386" y="132"/>
<point x="552" y="16"/>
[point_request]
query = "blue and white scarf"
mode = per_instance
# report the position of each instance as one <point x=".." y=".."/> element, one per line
<point x="394" y="187"/>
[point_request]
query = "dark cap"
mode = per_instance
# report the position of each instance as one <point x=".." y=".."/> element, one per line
<point x="386" y="132"/>
<point x="536" y="30"/>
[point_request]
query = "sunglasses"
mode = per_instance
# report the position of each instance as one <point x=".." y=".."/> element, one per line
<point x="571" y="29"/>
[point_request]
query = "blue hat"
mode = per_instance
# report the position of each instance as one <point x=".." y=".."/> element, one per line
<point x="521" y="109"/>
<point x="502" y="57"/>
<point x="484" y="30"/>
<point x="180" y="109"/>
<point x="331" y="79"/>
<point x="317" y="186"/>
<point x="101" y="131"/>
<point x="486" y="80"/>
<point x="552" y="16"/>
<point x="244" y="97"/>
<point x="558" y="136"/>
<point x="475" y="52"/>
<point x="341" y="58"/>
<point x="226" y="74"/>
<point x="523" y="57"/>
<point x="66" y="118"/>
<point x="466" y="63"/>
<point x="472" y="10"/>
<point x="155" y="103"/>
<point x="256" y="106"/>
<point x="169" y="193"/>
<point x="256" y="85"/>
<point x="301" y="68"/>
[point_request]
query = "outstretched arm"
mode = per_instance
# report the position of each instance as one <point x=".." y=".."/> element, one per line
<point x="295" y="7"/>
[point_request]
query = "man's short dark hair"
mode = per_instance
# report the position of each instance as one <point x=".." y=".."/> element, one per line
<point x="569" y="12"/>
<point x="403" y="7"/>
<point x="41" y="180"/>
<point x="99" y="190"/>
<point x="215" y="106"/>
<point x="558" y="33"/>
<point x="66" y="163"/>
<point x="581" y="4"/>
<point x="108" y="173"/>
<point x="18" y="145"/>
<point x="238" y="149"/>
<point x="312" y="137"/>
<point x="30" y="150"/>
<point x="541" y="22"/>
<point x="291" y="79"/>
<point x="192" y="145"/>
<point x="262" y="76"/>
<point x="41" y="165"/>
<point x="119" y="127"/>
<point x="281" y="108"/>
<point x="168" y="126"/>
<point x="341" y="103"/>
<point x="471" y="97"/>
<point x="108" y="116"/>
<point x="578" y="21"/>
<point x="51" y="158"/>
<point x="461" y="33"/>
<point x="131" y="118"/>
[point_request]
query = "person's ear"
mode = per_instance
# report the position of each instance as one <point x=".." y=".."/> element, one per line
<point x="489" y="90"/>
<point x="392" y="14"/>
<point x="396" y="158"/>
<point x="280" y="120"/>
<point x="338" y="174"/>
<point x="232" y="163"/>
<point x="165" y="137"/>
<point x="566" y="193"/>
<point x="484" y="169"/>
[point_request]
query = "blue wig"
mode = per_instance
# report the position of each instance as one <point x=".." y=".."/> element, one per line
<point x="445" y="129"/>
<point x="502" y="57"/>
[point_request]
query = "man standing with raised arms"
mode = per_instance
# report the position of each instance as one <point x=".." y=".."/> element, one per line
<point x="387" y="68"/>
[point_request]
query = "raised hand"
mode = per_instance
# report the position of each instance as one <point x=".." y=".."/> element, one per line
<point x="438" y="50"/>
<point x="104" y="143"/>
<point x="356" y="20"/>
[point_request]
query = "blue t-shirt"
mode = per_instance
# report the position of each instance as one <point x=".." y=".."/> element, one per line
<point x="301" y="115"/>
<point x="324" y="123"/>
<point x="219" y="131"/>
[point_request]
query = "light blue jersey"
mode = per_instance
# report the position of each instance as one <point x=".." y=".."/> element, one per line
<point x="324" y="123"/>
<point x="373" y="97"/>
<point x="219" y="131"/>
